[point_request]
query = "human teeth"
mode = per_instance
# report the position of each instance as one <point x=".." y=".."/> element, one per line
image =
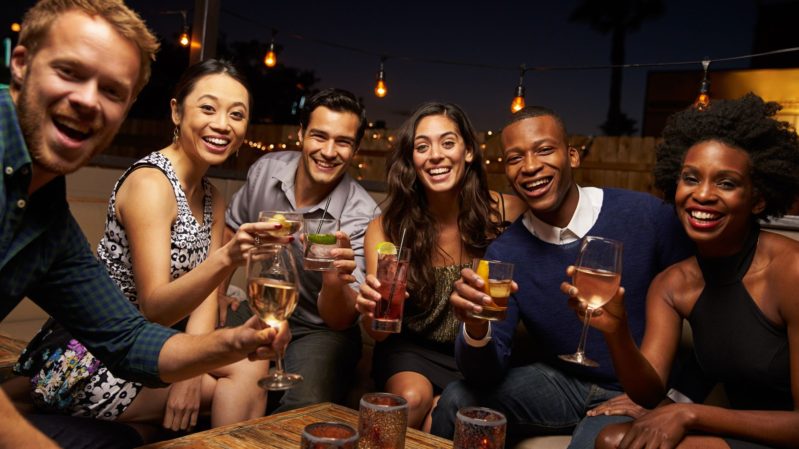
<point x="325" y="164"/>
<point x="701" y="215"/>
<point x="73" y="125"/>
<point x="534" y="184"/>
<point x="439" y="171"/>
<point x="217" y="141"/>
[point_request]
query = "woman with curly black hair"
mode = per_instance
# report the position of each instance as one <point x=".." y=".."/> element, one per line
<point x="724" y="168"/>
<point x="438" y="192"/>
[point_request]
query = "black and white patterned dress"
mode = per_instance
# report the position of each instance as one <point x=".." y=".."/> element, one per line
<point x="70" y="380"/>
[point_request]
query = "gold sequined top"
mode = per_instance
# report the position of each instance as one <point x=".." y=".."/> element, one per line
<point x="437" y="322"/>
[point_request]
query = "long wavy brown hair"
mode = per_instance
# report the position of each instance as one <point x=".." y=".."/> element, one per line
<point x="406" y="204"/>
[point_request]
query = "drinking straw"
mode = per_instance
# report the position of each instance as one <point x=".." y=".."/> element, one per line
<point x="324" y="213"/>
<point x="396" y="272"/>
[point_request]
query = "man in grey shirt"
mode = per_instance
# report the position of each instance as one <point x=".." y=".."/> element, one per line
<point x="326" y="341"/>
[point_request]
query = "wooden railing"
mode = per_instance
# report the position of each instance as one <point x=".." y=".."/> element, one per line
<point x="624" y="162"/>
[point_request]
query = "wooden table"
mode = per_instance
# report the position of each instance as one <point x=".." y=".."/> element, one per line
<point x="283" y="431"/>
<point x="9" y="353"/>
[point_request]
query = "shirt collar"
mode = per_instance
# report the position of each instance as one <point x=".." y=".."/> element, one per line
<point x="589" y="204"/>
<point x="338" y="197"/>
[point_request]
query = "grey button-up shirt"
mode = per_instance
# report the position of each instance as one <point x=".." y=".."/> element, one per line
<point x="270" y="186"/>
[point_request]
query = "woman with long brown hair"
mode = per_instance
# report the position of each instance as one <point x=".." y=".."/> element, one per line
<point x="438" y="196"/>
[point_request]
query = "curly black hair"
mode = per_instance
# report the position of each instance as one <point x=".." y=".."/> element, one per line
<point x="746" y="123"/>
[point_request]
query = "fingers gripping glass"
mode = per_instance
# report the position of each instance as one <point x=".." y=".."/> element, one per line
<point x="273" y="292"/>
<point x="597" y="277"/>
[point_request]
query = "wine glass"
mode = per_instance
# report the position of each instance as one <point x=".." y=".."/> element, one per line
<point x="597" y="277"/>
<point x="272" y="287"/>
<point x="291" y="223"/>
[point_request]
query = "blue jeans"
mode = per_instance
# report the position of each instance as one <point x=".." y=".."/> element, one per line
<point x="536" y="399"/>
<point x="326" y="359"/>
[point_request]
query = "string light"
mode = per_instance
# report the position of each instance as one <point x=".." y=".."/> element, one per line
<point x="270" y="60"/>
<point x="519" y="98"/>
<point x="518" y="101"/>
<point x="703" y="100"/>
<point x="184" y="40"/>
<point x="380" y="88"/>
<point x="15" y="27"/>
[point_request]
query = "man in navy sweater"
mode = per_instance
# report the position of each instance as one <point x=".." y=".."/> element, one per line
<point x="551" y="396"/>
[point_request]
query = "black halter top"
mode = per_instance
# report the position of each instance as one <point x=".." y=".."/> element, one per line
<point x="734" y="342"/>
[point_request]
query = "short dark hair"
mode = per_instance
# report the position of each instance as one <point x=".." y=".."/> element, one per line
<point x="746" y="123"/>
<point x="338" y="100"/>
<point x="200" y="70"/>
<point x="537" y="111"/>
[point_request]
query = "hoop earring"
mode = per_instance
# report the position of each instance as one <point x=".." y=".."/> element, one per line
<point x="175" y="135"/>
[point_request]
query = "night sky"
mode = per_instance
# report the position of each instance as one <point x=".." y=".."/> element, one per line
<point x="500" y="33"/>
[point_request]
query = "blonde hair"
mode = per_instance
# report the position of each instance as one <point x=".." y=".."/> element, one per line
<point x="38" y="20"/>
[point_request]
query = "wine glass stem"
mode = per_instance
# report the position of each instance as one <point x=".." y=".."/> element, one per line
<point x="587" y="319"/>
<point x="279" y="364"/>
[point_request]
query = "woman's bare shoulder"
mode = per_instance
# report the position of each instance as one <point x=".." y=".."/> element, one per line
<point x="679" y="284"/>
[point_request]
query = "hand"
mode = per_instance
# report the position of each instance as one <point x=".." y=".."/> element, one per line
<point x="344" y="261"/>
<point x="225" y="301"/>
<point x="257" y="339"/>
<point x="250" y="235"/>
<point x="183" y="404"/>
<point x="608" y="318"/>
<point x="663" y="427"/>
<point x="620" y="405"/>
<point x="469" y="296"/>
<point x="368" y="296"/>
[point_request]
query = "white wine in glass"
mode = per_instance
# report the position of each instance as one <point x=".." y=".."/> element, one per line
<point x="272" y="289"/>
<point x="597" y="277"/>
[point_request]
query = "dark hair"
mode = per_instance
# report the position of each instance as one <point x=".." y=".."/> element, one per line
<point x="338" y="100"/>
<point x="406" y="203"/>
<point x="196" y="72"/>
<point x="537" y="111"/>
<point x="748" y="124"/>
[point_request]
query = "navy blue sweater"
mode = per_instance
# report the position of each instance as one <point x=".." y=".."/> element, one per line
<point x="653" y="239"/>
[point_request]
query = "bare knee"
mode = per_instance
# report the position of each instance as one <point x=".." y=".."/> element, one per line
<point x="611" y="436"/>
<point x="417" y="399"/>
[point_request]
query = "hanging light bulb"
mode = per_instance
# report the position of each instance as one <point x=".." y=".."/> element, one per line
<point x="518" y="101"/>
<point x="380" y="88"/>
<point x="270" y="60"/>
<point x="184" y="37"/>
<point x="703" y="100"/>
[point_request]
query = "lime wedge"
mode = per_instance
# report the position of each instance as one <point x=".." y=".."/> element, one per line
<point x="322" y="239"/>
<point x="386" y="249"/>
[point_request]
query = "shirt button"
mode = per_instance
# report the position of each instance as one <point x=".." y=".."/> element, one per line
<point x="9" y="170"/>
<point x="21" y="204"/>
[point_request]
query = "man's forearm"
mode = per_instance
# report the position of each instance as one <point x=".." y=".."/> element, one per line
<point x="336" y="306"/>
<point x="185" y="356"/>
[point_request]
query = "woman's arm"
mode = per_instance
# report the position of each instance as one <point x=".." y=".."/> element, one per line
<point x="643" y="373"/>
<point x="147" y="208"/>
<point x="368" y="295"/>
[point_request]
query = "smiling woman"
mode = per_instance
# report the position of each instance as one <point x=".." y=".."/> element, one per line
<point x="724" y="168"/>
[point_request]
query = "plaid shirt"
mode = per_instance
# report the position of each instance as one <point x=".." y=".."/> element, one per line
<point x="44" y="255"/>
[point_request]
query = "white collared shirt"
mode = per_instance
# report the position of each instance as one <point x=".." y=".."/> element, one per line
<point x="589" y="204"/>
